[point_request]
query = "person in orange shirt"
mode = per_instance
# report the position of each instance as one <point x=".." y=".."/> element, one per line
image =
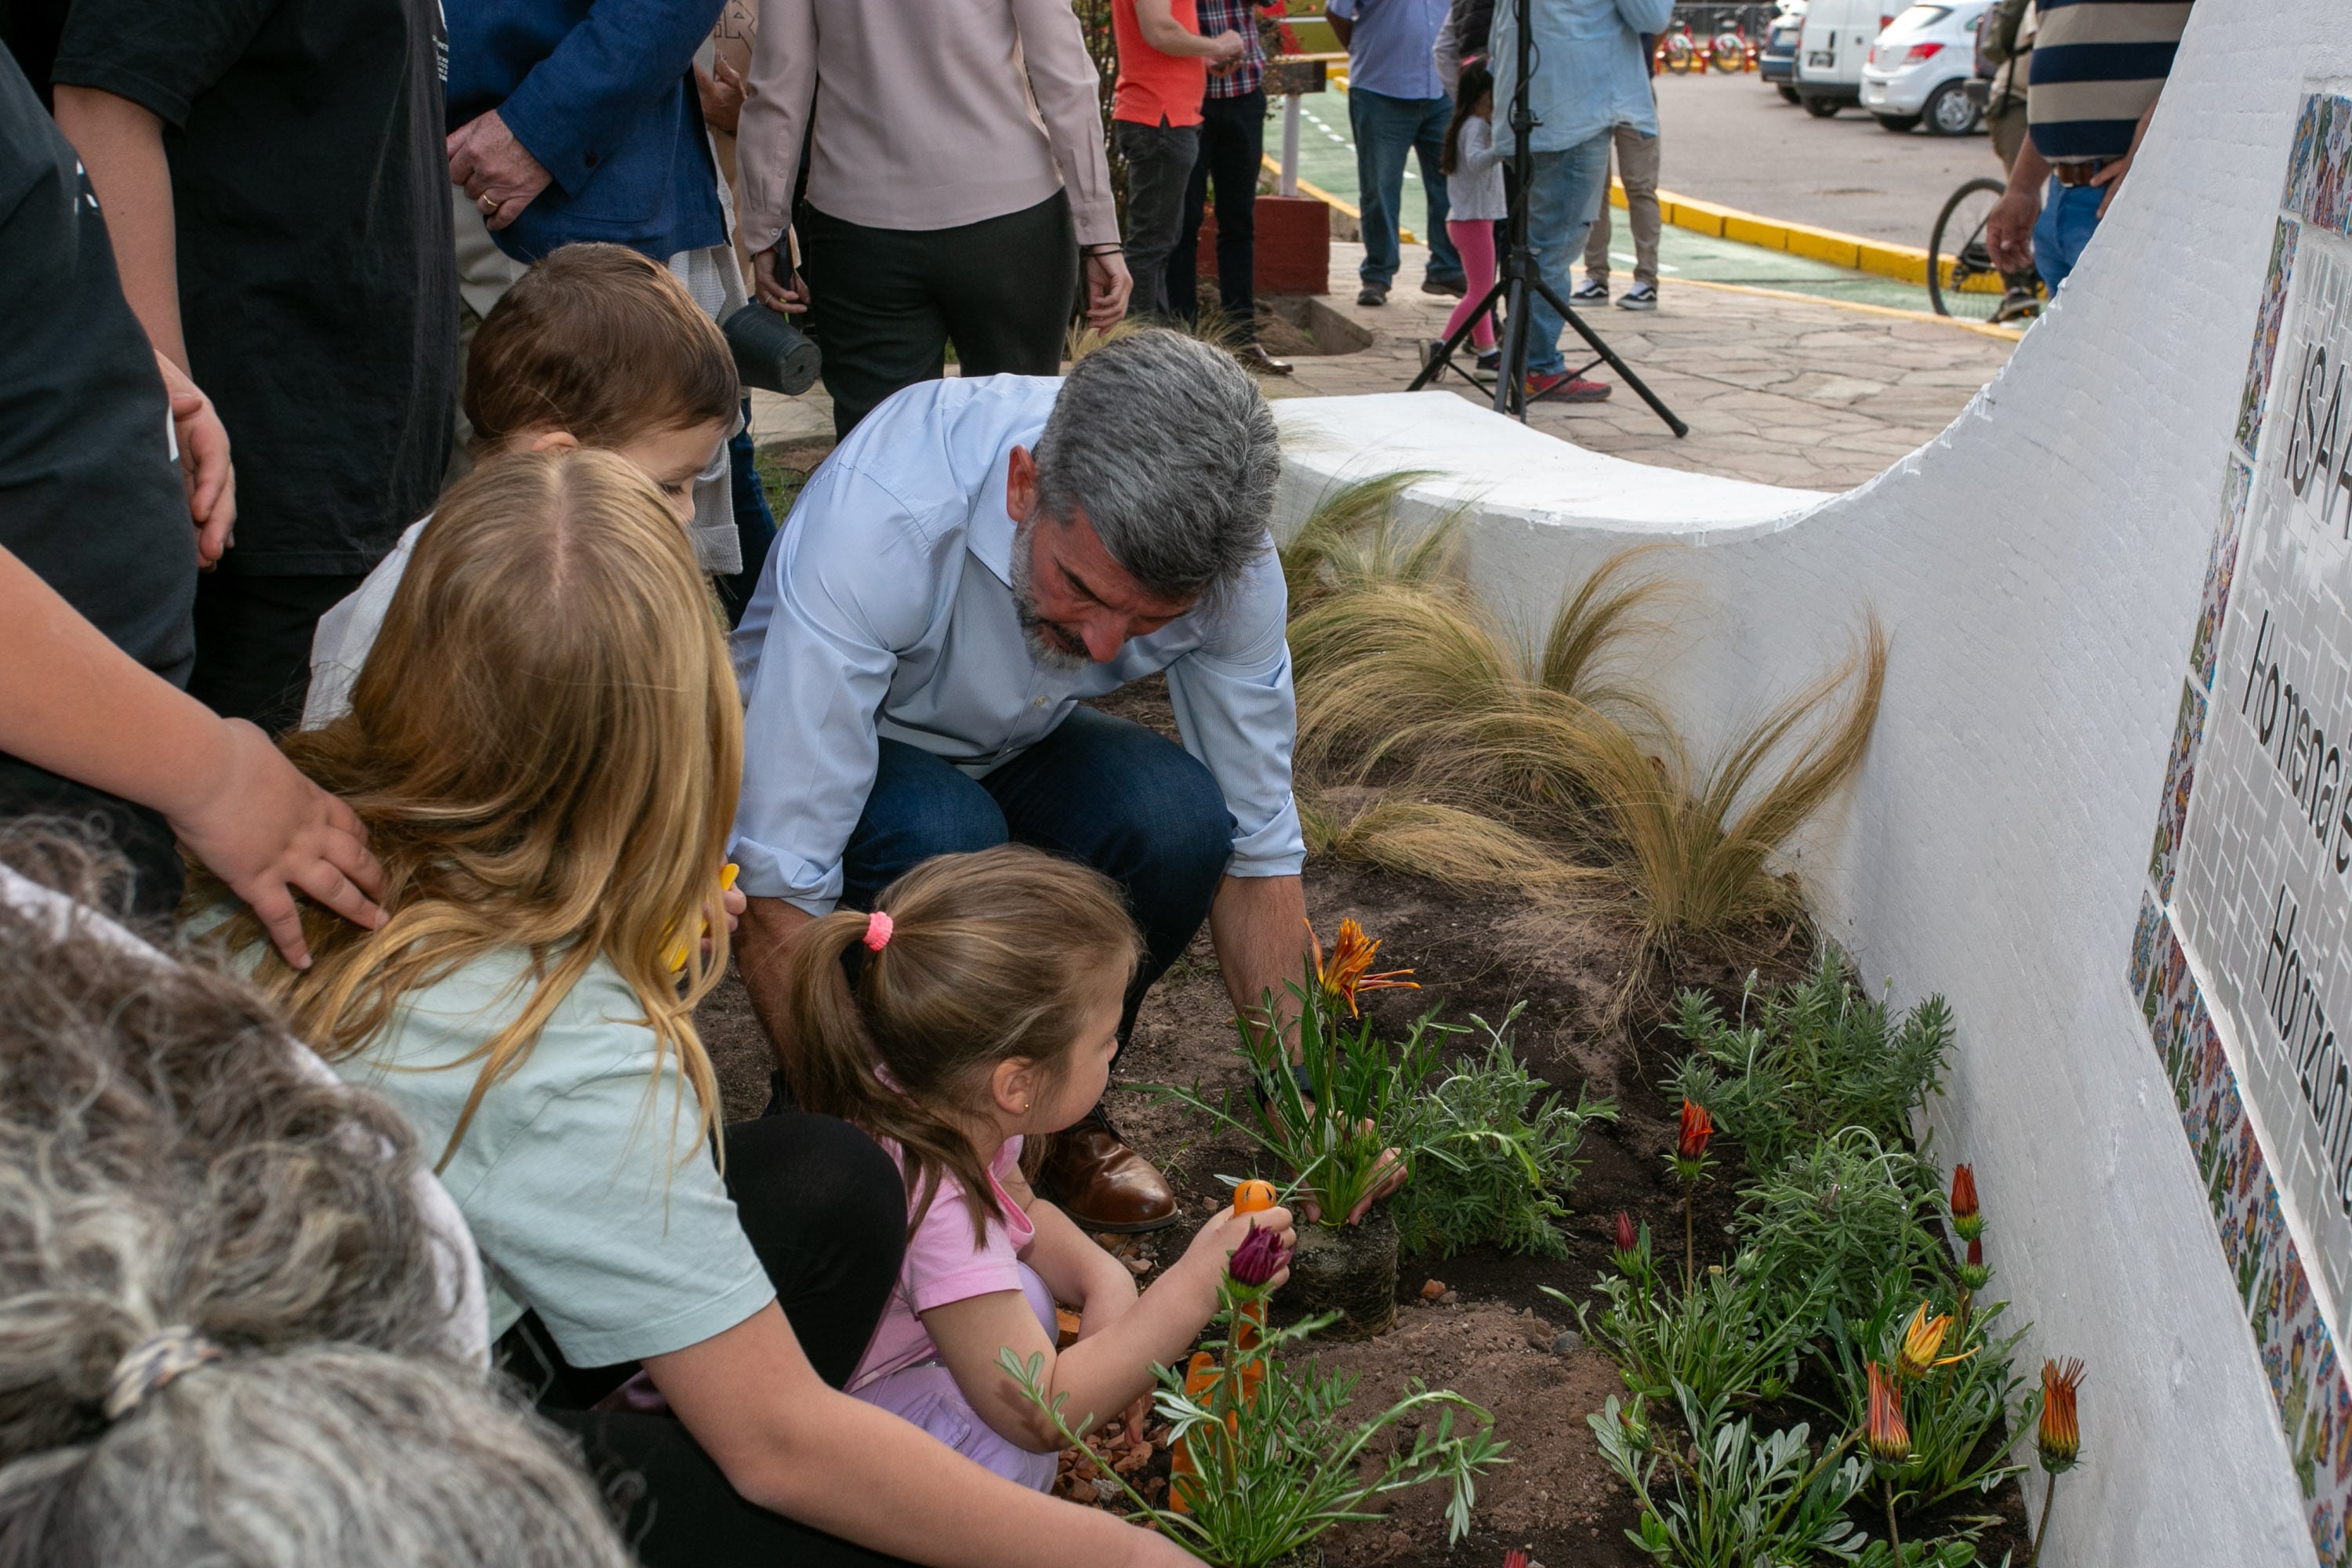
<point x="1163" y="73"/>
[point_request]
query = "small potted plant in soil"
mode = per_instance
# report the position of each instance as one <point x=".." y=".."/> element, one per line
<point x="1267" y="1458"/>
<point x="1346" y="1116"/>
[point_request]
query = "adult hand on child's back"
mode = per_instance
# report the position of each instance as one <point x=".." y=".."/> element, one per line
<point x="267" y="831"/>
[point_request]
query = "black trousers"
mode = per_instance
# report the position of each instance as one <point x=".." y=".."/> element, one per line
<point x="825" y="1211"/>
<point x="253" y="643"/>
<point x="1232" y="151"/>
<point x="887" y="302"/>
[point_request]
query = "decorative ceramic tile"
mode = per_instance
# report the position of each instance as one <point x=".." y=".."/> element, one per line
<point x="2243" y="943"/>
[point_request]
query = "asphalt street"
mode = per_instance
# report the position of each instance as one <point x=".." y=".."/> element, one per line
<point x="1734" y="141"/>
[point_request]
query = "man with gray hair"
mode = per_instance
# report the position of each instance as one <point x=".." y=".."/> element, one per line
<point x="976" y="560"/>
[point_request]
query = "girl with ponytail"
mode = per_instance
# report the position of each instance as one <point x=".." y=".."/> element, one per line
<point x="985" y="1011"/>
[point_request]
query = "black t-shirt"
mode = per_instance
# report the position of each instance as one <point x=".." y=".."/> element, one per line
<point x="90" y="495"/>
<point x="318" y="287"/>
<point x="90" y="499"/>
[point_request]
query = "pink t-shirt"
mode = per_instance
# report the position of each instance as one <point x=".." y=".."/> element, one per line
<point x="942" y="1266"/>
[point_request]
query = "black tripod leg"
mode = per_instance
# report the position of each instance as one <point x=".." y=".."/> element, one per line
<point x="1593" y="340"/>
<point x="1469" y="324"/>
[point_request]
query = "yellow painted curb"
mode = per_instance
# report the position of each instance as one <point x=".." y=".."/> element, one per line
<point x="1329" y="200"/>
<point x="1905" y="263"/>
<point x="1982" y="329"/>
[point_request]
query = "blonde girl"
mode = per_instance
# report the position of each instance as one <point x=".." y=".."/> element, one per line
<point x="985" y="1011"/>
<point x="544" y="746"/>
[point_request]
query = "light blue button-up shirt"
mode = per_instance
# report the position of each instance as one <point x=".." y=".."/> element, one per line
<point x="886" y="609"/>
<point x="1388" y="52"/>
<point x="1589" y="72"/>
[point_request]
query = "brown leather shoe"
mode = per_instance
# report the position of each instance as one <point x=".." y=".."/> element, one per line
<point x="1254" y="357"/>
<point x="1101" y="1183"/>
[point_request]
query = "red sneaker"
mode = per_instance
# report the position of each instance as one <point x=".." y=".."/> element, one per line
<point x="1561" y="387"/>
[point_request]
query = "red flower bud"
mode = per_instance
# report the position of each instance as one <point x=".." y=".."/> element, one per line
<point x="1697" y="1129"/>
<point x="2060" y="1438"/>
<point x="1259" y="1258"/>
<point x="1627" y="1240"/>
<point x="1515" y="1558"/>
<point x="1883" y="1432"/>
<point x="1966" y="1220"/>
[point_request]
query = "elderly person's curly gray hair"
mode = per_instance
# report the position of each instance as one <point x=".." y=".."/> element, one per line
<point x="222" y="1337"/>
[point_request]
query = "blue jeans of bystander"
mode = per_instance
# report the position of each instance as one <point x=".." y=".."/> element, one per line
<point x="1565" y="190"/>
<point x="1134" y="805"/>
<point x="2070" y="216"/>
<point x="1386" y="130"/>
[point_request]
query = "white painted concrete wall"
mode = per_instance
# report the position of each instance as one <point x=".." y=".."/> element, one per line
<point x="2038" y="567"/>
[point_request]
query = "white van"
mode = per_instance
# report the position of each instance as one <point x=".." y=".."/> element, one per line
<point x="1832" y="49"/>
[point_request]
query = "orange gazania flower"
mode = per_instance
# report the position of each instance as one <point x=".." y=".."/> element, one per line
<point x="1888" y="1439"/>
<point x="1921" y="1340"/>
<point x="1347" y="975"/>
<point x="1966" y="1220"/>
<point x="1697" y="1127"/>
<point x="2059" y="1437"/>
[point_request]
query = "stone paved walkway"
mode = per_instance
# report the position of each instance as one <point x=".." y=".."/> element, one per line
<point x="1784" y="391"/>
<point x="1781" y="390"/>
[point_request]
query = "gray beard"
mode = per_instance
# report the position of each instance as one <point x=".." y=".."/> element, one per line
<point x="1043" y="648"/>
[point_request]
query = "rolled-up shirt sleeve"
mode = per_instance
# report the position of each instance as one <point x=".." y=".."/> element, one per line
<point x="1239" y="714"/>
<point x="824" y="666"/>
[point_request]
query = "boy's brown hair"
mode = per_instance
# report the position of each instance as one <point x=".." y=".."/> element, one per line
<point x="600" y="341"/>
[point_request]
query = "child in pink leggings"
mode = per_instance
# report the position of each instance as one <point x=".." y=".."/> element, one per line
<point x="986" y="1010"/>
<point x="1474" y="187"/>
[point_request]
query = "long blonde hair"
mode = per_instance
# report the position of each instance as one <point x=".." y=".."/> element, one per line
<point x="990" y="956"/>
<point x="545" y="745"/>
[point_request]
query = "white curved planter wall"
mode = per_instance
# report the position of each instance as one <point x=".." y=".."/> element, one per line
<point x="2038" y="567"/>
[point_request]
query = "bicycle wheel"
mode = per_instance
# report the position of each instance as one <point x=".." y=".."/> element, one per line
<point x="1729" y="51"/>
<point x="1962" y="279"/>
<point x="1682" y="55"/>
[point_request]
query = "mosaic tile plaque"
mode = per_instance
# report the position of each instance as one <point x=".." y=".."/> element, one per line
<point x="2241" y="957"/>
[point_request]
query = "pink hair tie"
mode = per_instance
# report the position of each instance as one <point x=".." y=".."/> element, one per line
<point x="878" y="928"/>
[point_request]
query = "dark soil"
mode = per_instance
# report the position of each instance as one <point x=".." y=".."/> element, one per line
<point x="1491" y="1334"/>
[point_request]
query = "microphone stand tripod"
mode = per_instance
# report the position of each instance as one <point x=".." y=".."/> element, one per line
<point x="1520" y="279"/>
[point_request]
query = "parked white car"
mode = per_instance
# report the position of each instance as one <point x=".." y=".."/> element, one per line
<point x="1919" y="68"/>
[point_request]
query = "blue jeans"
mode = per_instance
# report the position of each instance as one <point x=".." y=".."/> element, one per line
<point x="1386" y="130"/>
<point x="1565" y="190"/>
<point x="1134" y="805"/>
<point x="755" y="525"/>
<point x="2070" y="216"/>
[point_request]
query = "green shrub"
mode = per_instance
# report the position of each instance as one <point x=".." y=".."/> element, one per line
<point x="1726" y="1338"/>
<point x="1499" y="1158"/>
<point x="1816" y="1057"/>
<point x="1842" y="1213"/>
<point x="1730" y="1499"/>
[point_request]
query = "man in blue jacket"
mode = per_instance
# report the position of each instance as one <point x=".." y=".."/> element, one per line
<point x="578" y="119"/>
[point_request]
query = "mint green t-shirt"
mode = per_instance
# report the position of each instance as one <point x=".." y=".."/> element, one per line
<point x="584" y="1205"/>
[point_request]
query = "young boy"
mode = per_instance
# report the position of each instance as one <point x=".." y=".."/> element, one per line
<point x="595" y="346"/>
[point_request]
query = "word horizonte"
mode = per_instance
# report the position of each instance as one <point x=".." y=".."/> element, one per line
<point x="2291" y="999"/>
<point x="2309" y="763"/>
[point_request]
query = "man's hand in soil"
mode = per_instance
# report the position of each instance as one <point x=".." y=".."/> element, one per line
<point x="1392" y="1162"/>
<point x="497" y="171"/>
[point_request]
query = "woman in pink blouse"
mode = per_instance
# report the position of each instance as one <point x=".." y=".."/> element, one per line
<point x="956" y="175"/>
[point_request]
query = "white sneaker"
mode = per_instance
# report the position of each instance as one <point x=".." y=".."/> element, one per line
<point x="1640" y="297"/>
<point x="1591" y="292"/>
